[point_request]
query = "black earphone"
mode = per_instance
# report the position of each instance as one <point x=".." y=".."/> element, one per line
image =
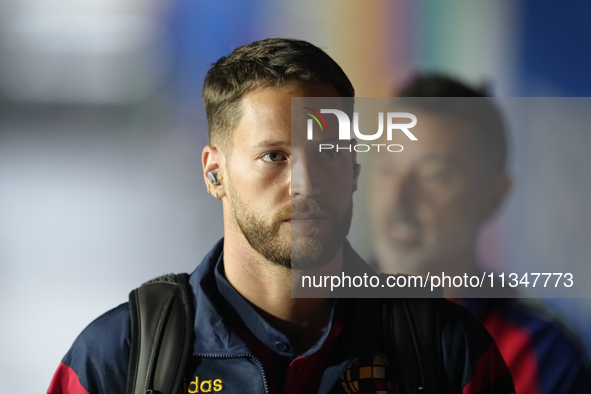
<point x="213" y="177"/>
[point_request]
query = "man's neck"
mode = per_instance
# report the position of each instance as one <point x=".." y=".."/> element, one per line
<point x="267" y="287"/>
<point x="465" y="266"/>
<point x="458" y="265"/>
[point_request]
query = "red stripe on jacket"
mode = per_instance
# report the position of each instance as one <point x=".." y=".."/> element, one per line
<point x="65" y="381"/>
<point x="516" y="347"/>
<point x="489" y="367"/>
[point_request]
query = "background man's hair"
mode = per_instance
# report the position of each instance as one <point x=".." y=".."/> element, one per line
<point x="270" y="62"/>
<point x="435" y="91"/>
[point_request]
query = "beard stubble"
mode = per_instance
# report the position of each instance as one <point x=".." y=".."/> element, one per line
<point x="307" y="247"/>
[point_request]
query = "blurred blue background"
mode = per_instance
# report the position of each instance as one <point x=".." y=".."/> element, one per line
<point x="102" y="126"/>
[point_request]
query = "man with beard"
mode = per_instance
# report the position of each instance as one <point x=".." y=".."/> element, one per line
<point x="434" y="198"/>
<point x="287" y="210"/>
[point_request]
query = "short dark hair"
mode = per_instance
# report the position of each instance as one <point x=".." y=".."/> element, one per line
<point x="270" y="62"/>
<point x="482" y="112"/>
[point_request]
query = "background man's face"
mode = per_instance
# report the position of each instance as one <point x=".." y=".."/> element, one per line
<point x="292" y="204"/>
<point x="426" y="202"/>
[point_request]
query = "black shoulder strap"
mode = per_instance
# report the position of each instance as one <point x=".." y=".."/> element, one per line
<point x="412" y="334"/>
<point x="162" y="315"/>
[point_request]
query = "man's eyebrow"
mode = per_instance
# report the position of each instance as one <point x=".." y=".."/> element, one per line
<point x="330" y="140"/>
<point x="271" y="143"/>
<point x="440" y="158"/>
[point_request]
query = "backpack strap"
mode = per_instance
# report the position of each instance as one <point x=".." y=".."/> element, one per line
<point x="412" y="334"/>
<point x="162" y="316"/>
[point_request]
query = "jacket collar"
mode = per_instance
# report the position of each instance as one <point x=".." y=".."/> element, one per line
<point x="213" y="333"/>
<point x="214" y="306"/>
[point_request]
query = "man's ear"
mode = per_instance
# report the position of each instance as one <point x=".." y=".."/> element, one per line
<point x="356" y="166"/>
<point x="214" y="170"/>
<point x="498" y="188"/>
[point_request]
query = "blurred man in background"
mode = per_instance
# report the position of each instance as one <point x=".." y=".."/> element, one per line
<point x="429" y="204"/>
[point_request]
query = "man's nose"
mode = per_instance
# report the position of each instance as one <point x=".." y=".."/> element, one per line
<point x="401" y="189"/>
<point x="304" y="178"/>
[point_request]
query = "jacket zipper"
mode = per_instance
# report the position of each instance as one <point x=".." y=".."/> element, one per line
<point x="340" y="373"/>
<point x="235" y="356"/>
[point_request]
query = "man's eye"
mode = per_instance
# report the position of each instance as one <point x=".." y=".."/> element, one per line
<point x="273" y="157"/>
<point x="435" y="177"/>
<point x="328" y="153"/>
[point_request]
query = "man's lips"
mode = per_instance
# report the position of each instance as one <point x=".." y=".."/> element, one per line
<point x="403" y="233"/>
<point x="306" y="218"/>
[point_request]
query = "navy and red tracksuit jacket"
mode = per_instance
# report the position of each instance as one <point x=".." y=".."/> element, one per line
<point x="543" y="354"/>
<point x="237" y="351"/>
